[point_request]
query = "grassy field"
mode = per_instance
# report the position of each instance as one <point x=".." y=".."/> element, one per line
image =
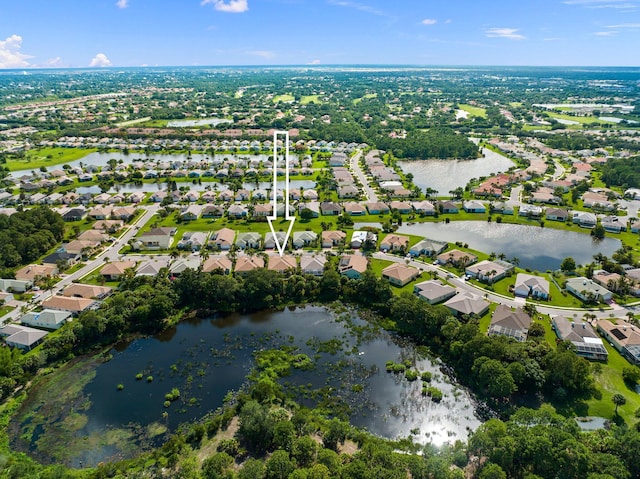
<point x="368" y="95"/>
<point x="283" y="98"/>
<point x="609" y="381"/>
<point x="305" y="100"/>
<point x="585" y="120"/>
<point x="123" y="124"/>
<point x="48" y="157"/>
<point x="473" y="110"/>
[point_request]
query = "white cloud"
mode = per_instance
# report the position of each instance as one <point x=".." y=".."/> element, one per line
<point x="358" y="6"/>
<point x="510" y="33"/>
<point x="429" y="21"/>
<point x="625" y="25"/>
<point x="122" y="3"/>
<point x="100" y="60"/>
<point x="314" y="62"/>
<point x="266" y="54"/>
<point x="54" y="63"/>
<point x="231" y="6"/>
<point x="448" y="20"/>
<point x="609" y="33"/>
<point x="10" y="55"/>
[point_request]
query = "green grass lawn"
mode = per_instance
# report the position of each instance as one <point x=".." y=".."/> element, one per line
<point x="585" y="120"/>
<point x="284" y="98"/>
<point x="48" y="157"/>
<point x="609" y="382"/>
<point x="473" y="110"/>
<point x="305" y="100"/>
<point x="368" y="95"/>
<point x="124" y="124"/>
<point x="5" y="310"/>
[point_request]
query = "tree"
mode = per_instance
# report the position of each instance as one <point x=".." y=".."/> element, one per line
<point x="256" y="427"/>
<point x="568" y="265"/>
<point x="598" y="232"/>
<point x="619" y="400"/>
<point x="279" y="466"/>
<point x="492" y="471"/>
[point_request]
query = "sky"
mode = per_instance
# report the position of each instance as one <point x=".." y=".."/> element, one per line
<point x="131" y="33"/>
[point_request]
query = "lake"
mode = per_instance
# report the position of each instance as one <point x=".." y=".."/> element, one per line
<point x="206" y="359"/>
<point x="99" y="158"/>
<point x="447" y="175"/>
<point x="537" y="248"/>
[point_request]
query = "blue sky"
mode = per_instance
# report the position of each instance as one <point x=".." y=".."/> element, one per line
<point x="82" y="33"/>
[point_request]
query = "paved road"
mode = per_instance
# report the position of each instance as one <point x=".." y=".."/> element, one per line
<point x="559" y="172"/>
<point x="355" y="168"/>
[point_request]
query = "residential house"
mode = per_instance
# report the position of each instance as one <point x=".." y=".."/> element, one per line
<point x="249" y="240"/>
<point x="333" y="238"/>
<point x="72" y="305"/>
<point x="74" y="214"/>
<point x="180" y="265"/>
<point x="22" y="337"/>
<point x="352" y="266"/>
<point x="312" y="264"/>
<point x="100" y="212"/>
<point x="244" y="264"/>
<point x="425" y="208"/>
<point x="355" y="209"/>
<point x="501" y="207"/>
<point x="62" y="256"/>
<point x="433" y="291"/>
<point x="530" y="211"/>
<point x="213" y="211"/>
<point x="467" y="304"/>
<point x="109" y="226"/>
<point x="348" y="191"/>
<point x="124" y="213"/>
<point x="394" y="242"/>
<point x="585" y="219"/>
<point x="237" y="211"/>
<point x="328" y="208"/>
<point x="151" y="267"/>
<point x="87" y="291"/>
<point x="80" y="247"/>
<point x="399" y="274"/>
<point x="158" y="196"/>
<point x="511" y="323"/>
<point x="93" y="235"/>
<point x="157" y="238"/>
<point x="313" y="207"/>
<point x="613" y="224"/>
<point x="474" y="206"/>
<point x="529" y="285"/>
<point x="585" y="340"/>
<point x="624" y="337"/>
<point x="377" y="208"/>
<point x="193" y="240"/>
<point x="282" y="264"/>
<point x="34" y="272"/>
<point x="611" y="281"/>
<point x="457" y="258"/>
<point x="428" y="247"/>
<point x="192" y="196"/>
<point x="489" y="271"/>
<point x="270" y="239"/>
<point x="223" y="239"/>
<point x="15" y="285"/>
<point x="115" y="270"/>
<point x="587" y="290"/>
<point x="401" y="207"/>
<point x="360" y="239"/>
<point x="46" y="319"/>
<point x="191" y="213"/>
<point x="218" y="263"/>
<point x="137" y="197"/>
<point x="304" y="238"/>
<point x="557" y="214"/>
<point x="448" y="207"/>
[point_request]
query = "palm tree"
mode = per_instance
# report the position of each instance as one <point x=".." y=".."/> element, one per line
<point x="515" y="261"/>
<point x="619" y="400"/>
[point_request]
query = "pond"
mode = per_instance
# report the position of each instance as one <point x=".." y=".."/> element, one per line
<point x="202" y="122"/>
<point x="537" y="248"/>
<point x="203" y="186"/>
<point x="206" y="359"/>
<point x="447" y="175"/>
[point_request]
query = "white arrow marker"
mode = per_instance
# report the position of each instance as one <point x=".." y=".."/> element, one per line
<point x="287" y="216"/>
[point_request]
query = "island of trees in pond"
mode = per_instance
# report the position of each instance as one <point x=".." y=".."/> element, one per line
<point x="275" y="438"/>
